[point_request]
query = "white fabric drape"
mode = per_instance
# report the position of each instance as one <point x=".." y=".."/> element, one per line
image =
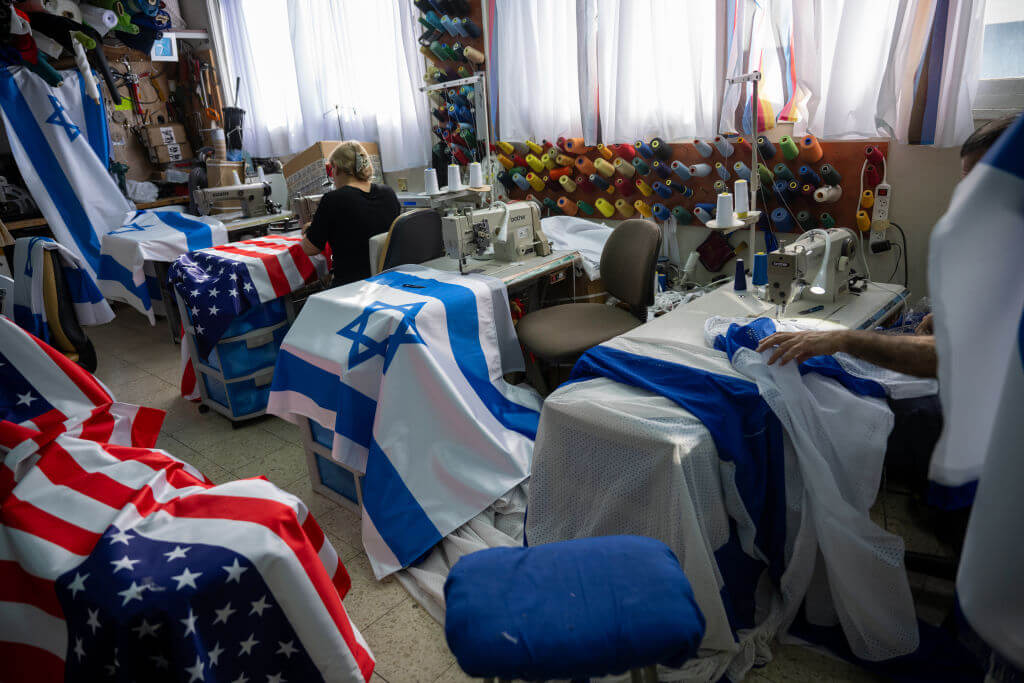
<point x="534" y="52"/>
<point x="321" y="69"/>
<point x="657" y="69"/>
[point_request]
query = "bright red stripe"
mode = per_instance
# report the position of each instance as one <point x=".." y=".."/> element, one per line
<point x="6" y="482"/>
<point x="274" y="271"/>
<point x="306" y="268"/>
<point x="20" y="514"/>
<point x="17" y="585"/>
<point x="28" y="664"/>
<point x="342" y="581"/>
<point x="99" y="427"/>
<point x="85" y="382"/>
<point x="146" y="427"/>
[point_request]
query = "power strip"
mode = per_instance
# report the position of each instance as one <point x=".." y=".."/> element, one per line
<point x="880" y="213"/>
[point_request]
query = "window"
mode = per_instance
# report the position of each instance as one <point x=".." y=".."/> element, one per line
<point x="1001" y="90"/>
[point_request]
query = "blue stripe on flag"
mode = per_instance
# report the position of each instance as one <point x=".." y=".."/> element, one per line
<point x="393" y="509"/>
<point x="198" y="234"/>
<point x="83" y="289"/>
<point x="937" y="54"/>
<point x="355" y="410"/>
<point x="464" y="336"/>
<point x="113" y="271"/>
<point x="951" y="497"/>
<point x="95" y="124"/>
<point x="49" y="170"/>
<point x="31" y="322"/>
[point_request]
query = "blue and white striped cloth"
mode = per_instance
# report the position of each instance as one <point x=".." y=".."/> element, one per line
<point x="151" y="236"/>
<point x="406" y="369"/>
<point x="29" y="311"/>
<point x="59" y="140"/>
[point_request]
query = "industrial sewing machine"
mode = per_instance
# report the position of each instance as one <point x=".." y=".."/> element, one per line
<point x="816" y="267"/>
<point x="253" y="199"/>
<point x="503" y="232"/>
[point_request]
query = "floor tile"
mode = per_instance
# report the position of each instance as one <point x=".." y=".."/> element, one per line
<point x="320" y="506"/>
<point x="454" y="675"/>
<point x="282" y="429"/>
<point x="793" y="663"/>
<point x="409" y="645"/>
<point x="345" y="524"/>
<point x="369" y="599"/>
<point x="283" y="464"/>
<point x="209" y="429"/>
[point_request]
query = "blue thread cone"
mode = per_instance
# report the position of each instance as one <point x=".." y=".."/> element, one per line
<point x="740" y="282"/>
<point x="760" y="268"/>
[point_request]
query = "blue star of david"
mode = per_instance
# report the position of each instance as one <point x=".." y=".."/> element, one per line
<point x="405" y="333"/>
<point x="130" y="226"/>
<point x="57" y="118"/>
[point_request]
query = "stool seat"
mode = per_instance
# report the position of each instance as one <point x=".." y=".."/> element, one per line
<point x="582" y="608"/>
<point x="563" y="333"/>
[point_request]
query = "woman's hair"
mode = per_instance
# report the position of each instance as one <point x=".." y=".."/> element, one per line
<point x="351" y="159"/>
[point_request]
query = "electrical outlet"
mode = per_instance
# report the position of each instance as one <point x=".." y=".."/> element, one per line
<point x="880" y="212"/>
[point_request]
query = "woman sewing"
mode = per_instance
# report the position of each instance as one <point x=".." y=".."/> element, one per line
<point x="351" y="214"/>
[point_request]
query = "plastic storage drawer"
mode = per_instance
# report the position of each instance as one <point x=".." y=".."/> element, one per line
<point x="246" y="396"/>
<point x="246" y="355"/>
<point x="264" y="315"/>
<point x="342" y="481"/>
<point x="321" y="435"/>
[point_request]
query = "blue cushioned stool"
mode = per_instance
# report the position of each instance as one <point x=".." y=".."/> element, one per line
<point x="577" y="609"/>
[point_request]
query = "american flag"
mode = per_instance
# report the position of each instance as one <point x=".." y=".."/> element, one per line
<point x="120" y="561"/>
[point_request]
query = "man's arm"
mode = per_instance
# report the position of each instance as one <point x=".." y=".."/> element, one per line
<point x="912" y="355"/>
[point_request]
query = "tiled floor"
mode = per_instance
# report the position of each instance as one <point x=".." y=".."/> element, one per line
<point x="140" y="365"/>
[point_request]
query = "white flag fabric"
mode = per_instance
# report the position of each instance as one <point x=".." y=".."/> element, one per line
<point x="979" y="337"/>
<point x="406" y="369"/>
<point x="50" y="131"/>
<point x="29" y="309"/>
<point x="151" y="236"/>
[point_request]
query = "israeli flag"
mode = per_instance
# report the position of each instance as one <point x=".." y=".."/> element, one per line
<point x="406" y="369"/>
<point x="29" y="307"/>
<point x="59" y="140"/>
<point x="151" y="236"/>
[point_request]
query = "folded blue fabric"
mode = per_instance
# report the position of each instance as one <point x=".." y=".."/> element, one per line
<point x="582" y="608"/>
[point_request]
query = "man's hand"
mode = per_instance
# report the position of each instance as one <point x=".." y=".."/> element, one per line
<point x="927" y="325"/>
<point x="800" y="346"/>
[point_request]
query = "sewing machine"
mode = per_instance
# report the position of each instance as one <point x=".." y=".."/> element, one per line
<point x="253" y="199"/>
<point x="795" y="271"/>
<point x="503" y="232"/>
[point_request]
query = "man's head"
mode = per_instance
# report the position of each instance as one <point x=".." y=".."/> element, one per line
<point x="983" y="137"/>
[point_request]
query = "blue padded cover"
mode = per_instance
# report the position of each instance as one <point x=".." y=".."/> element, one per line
<point x="581" y="608"/>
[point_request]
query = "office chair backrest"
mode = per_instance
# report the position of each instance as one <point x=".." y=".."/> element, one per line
<point x="628" y="261"/>
<point x="414" y="237"/>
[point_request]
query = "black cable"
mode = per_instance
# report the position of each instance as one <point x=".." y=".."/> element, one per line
<point x="897" y="266"/>
<point x="906" y="260"/>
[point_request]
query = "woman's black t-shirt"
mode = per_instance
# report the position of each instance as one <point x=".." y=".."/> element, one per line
<point x="347" y="218"/>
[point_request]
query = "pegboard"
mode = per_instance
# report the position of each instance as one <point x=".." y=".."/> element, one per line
<point x="474" y="12"/>
<point x="845" y="157"/>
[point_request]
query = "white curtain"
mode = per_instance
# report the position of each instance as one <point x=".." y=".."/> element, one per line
<point x="321" y="69"/>
<point x="658" y="69"/>
<point x="534" y="51"/>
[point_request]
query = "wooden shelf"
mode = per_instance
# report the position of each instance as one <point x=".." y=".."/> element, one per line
<point x="39" y="222"/>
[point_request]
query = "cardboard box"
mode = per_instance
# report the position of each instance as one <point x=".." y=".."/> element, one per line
<point x="224" y="173"/>
<point x="164" y="134"/>
<point x="163" y="154"/>
<point x="306" y="172"/>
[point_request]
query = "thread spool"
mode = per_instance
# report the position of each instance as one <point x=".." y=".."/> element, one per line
<point x="805" y="220"/>
<point x="549" y="161"/>
<point x="830" y="175"/>
<point x="568" y="184"/>
<point x="828" y="194"/>
<point x="662" y="191"/>
<point x="707" y="206"/>
<point x="661" y="149"/>
<point x="599" y="182"/>
<point x="551" y="205"/>
<point x="703" y="148"/>
<point x="742" y="146"/>
<point x="552" y="184"/>
<point x="808" y="175"/>
<point x="642" y="208"/>
<point x="535" y="163"/>
<point x="644" y="188"/>
<point x="505" y="178"/>
<point x="604" y="167"/>
<point x="723" y="146"/>
<point x="683" y="217"/>
<point x="560" y="144"/>
<point x="765" y="148"/>
<point x="584" y="184"/>
<point x="702" y="214"/>
<point x="700" y="170"/>
<point x="867" y="199"/>
<point x="722" y="171"/>
<point x="794" y="188"/>
<point x="760" y="274"/>
<point x="585" y="166"/>
<point x="827" y="221"/>
<point x="789" y="148"/>
<point x="519" y="180"/>
<point x="557" y="174"/>
<point x="535" y="148"/>
<point x="742" y="170"/>
<point x="625" y="186"/>
<point x="807" y="190"/>
<point x="470" y="27"/>
<point x="644" y="149"/>
<point x="463" y="72"/>
<point x="430" y="181"/>
<point x="521" y="170"/>
<point x="767" y="177"/>
<point x="874" y="155"/>
<point x="624" y="208"/>
<point x="781" y="189"/>
<point x="739" y="280"/>
<point x="627" y="152"/>
<point x="624" y="167"/>
<point x="782" y="172"/>
<point x="476" y="174"/>
<point x="782" y="220"/>
<point x="863" y="221"/>
<point x="605" y="207"/>
<point x="661" y="169"/>
<point x="719" y="186"/>
<point x="567" y="206"/>
<point x="871" y="176"/>
<point x="681" y="170"/>
<point x="535" y="181"/>
<point x="547" y="145"/>
<point x="641" y="166"/>
<point x="520" y="161"/>
<point x="563" y="160"/>
<point x="724" y="207"/>
<point x="505" y="161"/>
<point x="585" y="207"/>
<point x="661" y="212"/>
<point x="810" y="149"/>
<point x="741" y="195"/>
<point x="575" y="146"/>
<point x="676" y="186"/>
<point x="604" y="151"/>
